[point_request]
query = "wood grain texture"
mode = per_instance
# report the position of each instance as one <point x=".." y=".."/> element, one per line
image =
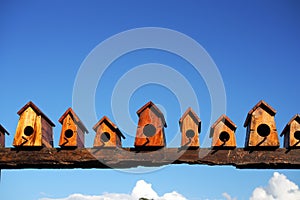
<point x="52" y="158"/>
<point x="69" y="135"/>
<point x="3" y="132"/>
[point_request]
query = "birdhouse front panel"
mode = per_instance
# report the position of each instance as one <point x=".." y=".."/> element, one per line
<point x="69" y="134"/>
<point x="106" y="136"/>
<point x="150" y="131"/>
<point x="223" y="136"/>
<point x="261" y="131"/>
<point x="189" y="129"/>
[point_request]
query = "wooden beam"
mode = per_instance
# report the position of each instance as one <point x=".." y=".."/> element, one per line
<point x="55" y="158"/>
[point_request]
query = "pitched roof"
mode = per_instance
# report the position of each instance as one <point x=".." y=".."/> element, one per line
<point x="74" y="117"/>
<point x="37" y="110"/>
<point x="296" y="118"/>
<point x="262" y="104"/>
<point x="111" y="124"/>
<point x="153" y="108"/>
<point x="3" y="130"/>
<point x="193" y="115"/>
<point x="226" y="121"/>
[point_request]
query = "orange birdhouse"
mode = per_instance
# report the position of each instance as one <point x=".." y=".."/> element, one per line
<point x="291" y="133"/>
<point x="222" y="132"/>
<point x="261" y="127"/>
<point x="34" y="128"/>
<point x="3" y="131"/>
<point x="107" y="134"/>
<point x="72" y="131"/>
<point x="150" y="131"/>
<point x="190" y="127"/>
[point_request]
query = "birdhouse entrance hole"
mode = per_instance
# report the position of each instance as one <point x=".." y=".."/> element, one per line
<point x="297" y="135"/>
<point x="149" y="130"/>
<point x="224" y="136"/>
<point x="105" y="137"/>
<point x="28" y="131"/>
<point x="69" y="133"/>
<point x="190" y="133"/>
<point x="263" y="130"/>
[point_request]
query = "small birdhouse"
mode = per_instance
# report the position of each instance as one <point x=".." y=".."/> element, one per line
<point x="150" y="131"/>
<point x="222" y="132"/>
<point x="72" y="131"/>
<point x="291" y="133"/>
<point x="190" y="127"/>
<point x="3" y="131"/>
<point x="107" y="134"/>
<point x="34" y="128"/>
<point x="261" y="127"/>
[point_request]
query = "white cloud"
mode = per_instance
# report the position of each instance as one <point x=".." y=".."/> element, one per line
<point x="279" y="188"/>
<point x="227" y="196"/>
<point x="141" y="189"/>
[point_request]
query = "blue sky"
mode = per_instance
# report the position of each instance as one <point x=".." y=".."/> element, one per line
<point x="255" y="46"/>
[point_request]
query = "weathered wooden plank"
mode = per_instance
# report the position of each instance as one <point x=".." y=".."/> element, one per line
<point x="52" y="158"/>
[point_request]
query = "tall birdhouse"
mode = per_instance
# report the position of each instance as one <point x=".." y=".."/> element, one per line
<point x="291" y="133"/>
<point x="190" y="127"/>
<point x="72" y="131"/>
<point x="34" y="128"/>
<point x="3" y="131"/>
<point x="223" y="133"/>
<point x="150" y="131"/>
<point x="107" y="134"/>
<point x="261" y="127"/>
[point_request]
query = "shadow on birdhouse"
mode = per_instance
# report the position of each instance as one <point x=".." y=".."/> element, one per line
<point x="150" y="133"/>
<point x="223" y="133"/>
<point x="291" y="133"/>
<point x="261" y="127"/>
<point x="190" y="127"/>
<point x="34" y="128"/>
<point x="107" y="134"/>
<point x="72" y="131"/>
<point x="3" y="131"/>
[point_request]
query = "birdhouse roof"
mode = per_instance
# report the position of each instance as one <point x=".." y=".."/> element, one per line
<point x="154" y="109"/>
<point x="71" y="112"/>
<point x="37" y="110"/>
<point x="3" y="130"/>
<point x="223" y="118"/>
<point x="110" y="124"/>
<point x="295" y="118"/>
<point x="190" y="112"/>
<point x="262" y="104"/>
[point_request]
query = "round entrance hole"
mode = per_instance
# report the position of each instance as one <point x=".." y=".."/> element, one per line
<point x="149" y="130"/>
<point x="263" y="130"/>
<point x="105" y="137"/>
<point x="190" y="133"/>
<point x="28" y="131"/>
<point x="224" y="136"/>
<point x="69" y="133"/>
<point x="297" y="135"/>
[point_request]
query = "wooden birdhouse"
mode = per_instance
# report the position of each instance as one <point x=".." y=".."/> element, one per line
<point x="261" y="127"/>
<point x="190" y="127"/>
<point x="107" y="134"/>
<point x="223" y="133"/>
<point x="34" y="128"/>
<point x="3" y="131"/>
<point x="291" y="133"/>
<point x="150" y="131"/>
<point x="72" y="131"/>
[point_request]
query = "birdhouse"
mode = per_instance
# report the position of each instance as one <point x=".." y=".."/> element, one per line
<point x="34" y="128"/>
<point x="261" y="127"/>
<point x="190" y="127"/>
<point x="3" y="131"/>
<point x="72" y="131"/>
<point x="223" y="133"/>
<point x="291" y="133"/>
<point x="107" y="134"/>
<point x="150" y="131"/>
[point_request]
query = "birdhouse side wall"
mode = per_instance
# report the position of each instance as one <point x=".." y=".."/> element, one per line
<point x="219" y="128"/>
<point x="158" y="139"/>
<point x="65" y="139"/>
<point x="291" y="140"/>
<point x="28" y="119"/>
<point x="260" y="116"/>
<point x="189" y="124"/>
<point x="80" y="137"/>
<point x="113" y="140"/>
<point x="47" y="133"/>
<point x="2" y="139"/>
